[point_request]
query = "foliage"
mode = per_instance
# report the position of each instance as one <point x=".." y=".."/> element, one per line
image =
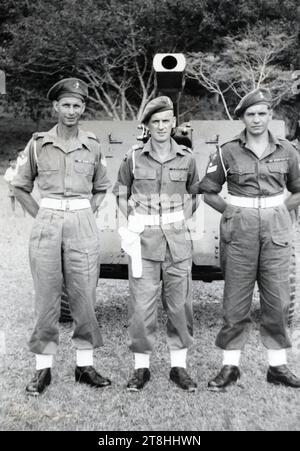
<point x="245" y="63"/>
<point x="111" y="44"/>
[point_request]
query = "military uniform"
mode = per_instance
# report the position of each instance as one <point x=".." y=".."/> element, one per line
<point x="155" y="188"/>
<point x="64" y="240"/>
<point x="256" y="236"/>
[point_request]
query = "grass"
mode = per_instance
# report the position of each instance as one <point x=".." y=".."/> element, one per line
<point x="161" y="406"/>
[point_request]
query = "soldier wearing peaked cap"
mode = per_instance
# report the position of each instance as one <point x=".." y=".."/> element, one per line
<point x="256" y="236"/>
<point x="74" y="86"/>
<point x="153" y="184"/>
<point x="70" y="172"/>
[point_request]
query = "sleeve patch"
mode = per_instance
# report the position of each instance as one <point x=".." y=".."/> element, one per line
<point x="211" y="168"/>
<point x="22" y="160"/>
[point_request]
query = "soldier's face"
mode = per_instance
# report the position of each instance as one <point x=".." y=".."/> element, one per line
<point x="257" y="118"/>
<point x="160" y="125"/>
<point x="69" y="110"/>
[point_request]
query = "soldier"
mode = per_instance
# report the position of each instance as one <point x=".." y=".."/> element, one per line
<point x="70" y="172"/>
<point x="296" y="141"/>
<point x="256" y="236"/>
<point x="156" y="179"/>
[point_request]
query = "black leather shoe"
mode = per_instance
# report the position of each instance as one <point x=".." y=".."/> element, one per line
<point x="139" y="379"/>
<point x="39" y="382"/>
<point x="88" y="375"/>
<point x="229" y="374"/>
<point x="181" y="378"/>
<point x="281" y="375"/>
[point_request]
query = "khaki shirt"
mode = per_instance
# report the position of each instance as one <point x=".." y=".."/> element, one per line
<point x="250" y="176"/>
<point x="78" y="171"/>
<point x="155" y="187"/>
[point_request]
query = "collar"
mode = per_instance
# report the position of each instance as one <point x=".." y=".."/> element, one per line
<point x="272" y="139"/>
<point x="52" y="137"/>
<point x="175" y="148"/>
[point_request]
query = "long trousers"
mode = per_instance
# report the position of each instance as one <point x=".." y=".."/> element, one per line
<point x="255" y="246"/>
<point x="177" y="302"/>
<point x="64" y="244"/>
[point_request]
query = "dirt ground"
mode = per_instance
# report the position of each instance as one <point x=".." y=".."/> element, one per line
<point x="251" y="405"/>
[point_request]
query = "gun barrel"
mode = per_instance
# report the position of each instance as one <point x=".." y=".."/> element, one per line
<point x="169" y="69"/>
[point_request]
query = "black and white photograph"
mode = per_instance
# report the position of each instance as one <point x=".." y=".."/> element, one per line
<point x="149" y="218"/>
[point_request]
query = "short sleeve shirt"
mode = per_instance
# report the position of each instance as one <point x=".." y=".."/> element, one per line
<point x="155" y="187"/>
<point x="77" y="171"/>
<point x="250" y="176"/>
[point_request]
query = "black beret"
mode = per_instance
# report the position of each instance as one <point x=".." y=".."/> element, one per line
<point x="68" y="87"/>
<point x="259" y="95"/>
<point x="157" y="105"/>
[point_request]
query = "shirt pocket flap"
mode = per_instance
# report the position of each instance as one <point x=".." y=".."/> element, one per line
<point x="85" y="167"/>
<point x="145" y="174"/>
<point x="178" y="175"/>
<point x="247" y="168"/>
<point x="277" y="167"/>
<point x="47" y="165"/>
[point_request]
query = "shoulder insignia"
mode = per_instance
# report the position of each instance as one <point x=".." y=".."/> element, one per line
<point x="213" y="157"/>
<point x="212" y="165"/>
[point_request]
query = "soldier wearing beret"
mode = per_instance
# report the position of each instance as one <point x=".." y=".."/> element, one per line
<point x="70" y="171"/>
<point x="153" y="183"/>
<point x="256" y="236"/>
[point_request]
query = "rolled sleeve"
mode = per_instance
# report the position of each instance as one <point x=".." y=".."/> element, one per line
<point x="26" y="169"/>
<point x="101" y="181"/>
<point x="193" y="176"/>
<point x="124" y="180"/>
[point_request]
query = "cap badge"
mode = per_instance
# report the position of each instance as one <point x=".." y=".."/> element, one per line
<point x="76" y="85"/>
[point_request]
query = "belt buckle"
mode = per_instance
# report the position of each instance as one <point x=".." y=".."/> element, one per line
<point x="259" y="205"/>
<point x="67" y="205"/>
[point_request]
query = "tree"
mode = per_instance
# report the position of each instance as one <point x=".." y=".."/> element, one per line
<point x="111" y="45"/>
<point x="245" y="63"/>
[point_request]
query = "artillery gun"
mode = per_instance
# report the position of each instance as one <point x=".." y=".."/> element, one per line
<point x="117" y="137"/>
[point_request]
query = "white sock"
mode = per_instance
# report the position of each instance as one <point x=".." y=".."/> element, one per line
<point x="141" y="360"/>
<point x="178" y="357"/>
<point x="277" y="357"/>
<point x="84" y="357"/>
<point x="231" y="357"/>
<point x="43" y="361"/>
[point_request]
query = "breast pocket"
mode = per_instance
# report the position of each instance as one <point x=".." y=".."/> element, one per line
<point x="278" y="170"/>
<point x="48" y="165"/>
<point x="177" y="175"/>
<point x="48" y="174"/>
<point x="145" y="174"/>
<point x="242" y="173"/>
<point x="84" y="167"/>
<point x="145" y="181"/>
